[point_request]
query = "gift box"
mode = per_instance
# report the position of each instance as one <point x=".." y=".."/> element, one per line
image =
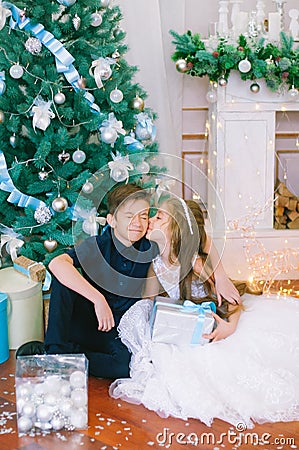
<point x="34" y="270"/>
<point x="180" y="324"/>
<point x="51" y="393"/>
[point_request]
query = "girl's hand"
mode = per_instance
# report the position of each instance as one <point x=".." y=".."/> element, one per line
<point x="226" y="289"/>
<point x="104" y="315"/>
<point x="222" y="331"/>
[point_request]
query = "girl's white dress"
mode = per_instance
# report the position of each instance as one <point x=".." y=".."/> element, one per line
<point x="251" y="376"/>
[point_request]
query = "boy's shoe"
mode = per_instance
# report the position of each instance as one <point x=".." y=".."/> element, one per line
<point x="31" y="348"/>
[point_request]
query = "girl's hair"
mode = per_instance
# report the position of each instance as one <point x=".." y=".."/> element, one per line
<point x="184" y="246"/>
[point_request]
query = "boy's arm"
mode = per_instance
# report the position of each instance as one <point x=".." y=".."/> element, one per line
<point x="223" y="285"/>
<point x="64" y="270"/>
<point x="225" y="328"/>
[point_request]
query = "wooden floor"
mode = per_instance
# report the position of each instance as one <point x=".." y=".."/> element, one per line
<point x="115" y="424"/>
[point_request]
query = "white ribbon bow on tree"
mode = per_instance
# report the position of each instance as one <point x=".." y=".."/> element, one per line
<point x="12" y="242"/>
<point x="42" y="114"/>
<point x="90" y="219"/>
<point x="4" y="13"/>
<point x="121" y="163"/>
<point x="112" y="122"/>
<point x="100" y="69"/>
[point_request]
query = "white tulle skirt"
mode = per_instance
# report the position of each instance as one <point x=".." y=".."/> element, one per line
<point x="251" y="376"/>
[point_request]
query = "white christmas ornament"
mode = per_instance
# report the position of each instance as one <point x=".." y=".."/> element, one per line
<point x="66" y="406"/>
<point x="96" y="19"/>
<point x="16" y="71"/>
<point x="211" y="96"/>
<point x="42" y="214"/>
<point x="79" y="398"/>
<point x="28" y="409"/>
<point x="77" y="379"/>
<point x="116" y="96"/>
<point x="109" y="135"/>
<point x="59" y="98"/>
<point x="143" y="167"/>
<point x="79" y="156"/>
<point x="244" y="66"/>
<point x="24" y="424"/>
<point x="78" y="419"/>
<point x="44" y="413"/>
<point x="87" y="187"/>
<point x="57" y="423"/>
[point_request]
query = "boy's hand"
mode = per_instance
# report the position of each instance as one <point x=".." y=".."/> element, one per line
<point x="226" y="289"/>
<point x="223" y="329"/>
<point x="104" y="315"/>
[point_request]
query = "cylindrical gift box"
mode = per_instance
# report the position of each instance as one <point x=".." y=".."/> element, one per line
<point x="25" y="307"/>
<point x="4" y="348"/>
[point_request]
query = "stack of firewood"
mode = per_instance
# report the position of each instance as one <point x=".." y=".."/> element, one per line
<point x="286" y="212"/>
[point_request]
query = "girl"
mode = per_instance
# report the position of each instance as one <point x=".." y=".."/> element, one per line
<point x="256" y="356"/>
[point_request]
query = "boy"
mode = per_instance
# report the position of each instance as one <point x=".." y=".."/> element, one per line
<point x="86" y="308"/>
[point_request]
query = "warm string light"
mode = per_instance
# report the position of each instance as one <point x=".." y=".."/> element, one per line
<point x="264" y="264"/>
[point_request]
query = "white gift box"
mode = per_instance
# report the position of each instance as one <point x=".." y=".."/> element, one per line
<point x="51" y="393"/>
<point x="181" y="324"/>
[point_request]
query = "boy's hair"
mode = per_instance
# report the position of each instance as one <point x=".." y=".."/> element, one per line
<point x="124" y="193"/>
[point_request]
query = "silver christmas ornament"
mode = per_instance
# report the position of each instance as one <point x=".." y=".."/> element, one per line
<point x="79" y="156"/>
<point x="143" y="167"/>
<point x="2" y="87"/>
<point x="42" y="214"/>
<point x="13" y="140"/>
<point x="43" y="175"/>
<point x="115" y="55"/>
<point x="108" y="135"/>
<point x="222" y="82"/>
<point x="64" y="157"/>
<point x="59" y="98"/>
<point x="142" y="133"/>
<point x="87" y="187"/>
<point x="104" y="3"/>
<point x="59" y="204"/>
<point x="255" y="88"/>
<point x="181" y="65"/>
<point x="119" y="174"/>
<point x="50" y="245"/>
<point x="116" y="96"/>
<point x="293" y="93"/>
<point x="137" y="103"/>
<point x="211" y="96"/>
<point x="244" y="66"/>
<point x="2" y="117"/>
<point x="105" y="72"/>
<point x="33" y="45"/>
<point x="96" y="19"/>
<point x="118" y="32"/>
<point x="76" y="22"/>
<point x="16" y="71"/>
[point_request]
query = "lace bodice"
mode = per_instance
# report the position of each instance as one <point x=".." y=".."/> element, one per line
<point x="169" y="278"/>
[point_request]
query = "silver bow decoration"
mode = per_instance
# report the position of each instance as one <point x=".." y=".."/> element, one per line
<point x="120" y="162"/>
<point x="41" y="113"/>
<point x="4" y="13"/>
<point x="145" y="120"/>
<point x="90" y="219"/>
<point x="100" y="69"/>
<point x="11" y="240"/>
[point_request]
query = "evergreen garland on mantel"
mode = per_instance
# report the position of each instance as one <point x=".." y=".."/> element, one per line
<point x="253" y="59"/>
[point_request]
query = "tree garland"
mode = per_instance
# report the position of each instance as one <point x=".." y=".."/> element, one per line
<point x="216" y="58"/>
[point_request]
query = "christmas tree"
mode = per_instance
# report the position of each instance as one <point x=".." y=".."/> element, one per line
<point x="68" y="107"/>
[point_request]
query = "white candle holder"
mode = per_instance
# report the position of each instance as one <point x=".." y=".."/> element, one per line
<point x="280" y="10"/>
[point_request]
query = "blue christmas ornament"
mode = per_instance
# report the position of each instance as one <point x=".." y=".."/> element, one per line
<point x="66" y="2"/>
<point x="2" y="83"/>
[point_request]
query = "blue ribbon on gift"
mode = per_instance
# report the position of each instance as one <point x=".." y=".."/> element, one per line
<point x="16" y="197"/>
<point x="64" y="60"/>
<point x="201" y="310"/>
<point x="46" y="283"/>
<point x="187" y="307"/>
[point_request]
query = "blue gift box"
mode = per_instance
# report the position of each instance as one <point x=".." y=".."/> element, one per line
<point x="180" y="324"/>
